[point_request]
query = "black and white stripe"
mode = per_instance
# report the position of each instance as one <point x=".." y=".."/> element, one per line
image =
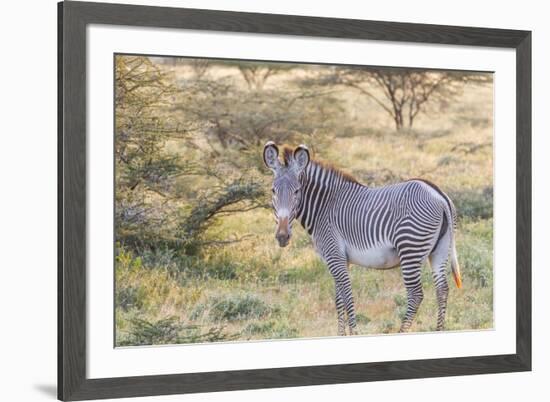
<point x="396" y="225"/>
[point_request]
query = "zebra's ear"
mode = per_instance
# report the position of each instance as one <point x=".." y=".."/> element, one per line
<point x="271" y="156"/>
<point x="301" y="158"/>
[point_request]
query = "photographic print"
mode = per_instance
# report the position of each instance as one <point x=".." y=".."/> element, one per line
<point x="273" y="200"/>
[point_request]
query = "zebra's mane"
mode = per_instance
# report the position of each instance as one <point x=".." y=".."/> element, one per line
<point x="288" y="153"/>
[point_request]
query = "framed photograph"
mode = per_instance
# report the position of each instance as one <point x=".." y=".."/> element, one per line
<point x="255" y="201"/>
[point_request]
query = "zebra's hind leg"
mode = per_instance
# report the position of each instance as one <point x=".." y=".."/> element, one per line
<point x="340" y="310"/>
<point x="411" y="270"/>
<point x="438" y="261"/>
<point x="442" y="292"/>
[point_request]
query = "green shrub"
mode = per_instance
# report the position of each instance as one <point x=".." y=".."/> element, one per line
<point x="400" y="301"/>
<point x="387" y="326"/>
<point x="259" y="328"/>
<point x="362" y="319"/>
<point x="475" y="252"/>
<point x="473" y="203"/>
<point x="128" y="297"/>
<point x="169" y="331"/>
<point x="198" y="311"/>
<point x="270" y="329"/>
<point x="238" y="307"/>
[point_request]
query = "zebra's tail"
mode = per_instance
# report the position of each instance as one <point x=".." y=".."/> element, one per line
<point x="451" y="218"/>
<point x="454" y="264"/>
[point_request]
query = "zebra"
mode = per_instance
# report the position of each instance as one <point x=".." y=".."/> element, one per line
<point x="401" y="224"/>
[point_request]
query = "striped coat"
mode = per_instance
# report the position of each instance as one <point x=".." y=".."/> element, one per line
<point x="397" y="225"/>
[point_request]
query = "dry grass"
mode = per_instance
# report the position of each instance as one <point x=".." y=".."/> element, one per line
<point x="255" y="290"/>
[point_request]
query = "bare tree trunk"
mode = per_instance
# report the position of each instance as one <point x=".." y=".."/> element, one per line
<point x="411" y="118"/>
<point x="398" y="119"/>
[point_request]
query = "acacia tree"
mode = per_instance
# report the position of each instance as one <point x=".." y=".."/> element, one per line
<point x="242" y="120"/>
<point x="149" y="212"/>
<point x="256" y="75"/>
<point x="402" y="93"/>
<point x="145" y="172"/>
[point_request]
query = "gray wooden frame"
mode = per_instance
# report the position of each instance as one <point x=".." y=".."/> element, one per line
<point x="73" y="17"/>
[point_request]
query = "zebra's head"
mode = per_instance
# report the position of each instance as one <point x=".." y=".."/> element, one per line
<point x="287" y="186"/>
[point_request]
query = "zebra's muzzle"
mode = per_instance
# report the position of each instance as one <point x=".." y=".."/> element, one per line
<point x="283" y="239"/>
<point x="283" y="233"/>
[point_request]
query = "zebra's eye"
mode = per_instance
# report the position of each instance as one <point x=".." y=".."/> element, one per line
<point x="297" y="191"/>
<point x="273" y="191"/>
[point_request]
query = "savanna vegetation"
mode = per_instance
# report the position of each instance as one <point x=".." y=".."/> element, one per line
<point x="196" y="258"/>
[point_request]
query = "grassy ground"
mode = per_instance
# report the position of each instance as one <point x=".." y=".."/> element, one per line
<point x="255" y="290"/>
<point x="284" y="294"/>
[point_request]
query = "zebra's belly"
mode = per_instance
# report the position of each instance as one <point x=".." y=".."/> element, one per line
<point x="381" y="257"/>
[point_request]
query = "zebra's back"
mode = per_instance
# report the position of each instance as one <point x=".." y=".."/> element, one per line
<point x="378" y="218"/>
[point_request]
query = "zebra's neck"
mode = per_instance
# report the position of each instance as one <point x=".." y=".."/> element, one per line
<point x="320" y="184"/>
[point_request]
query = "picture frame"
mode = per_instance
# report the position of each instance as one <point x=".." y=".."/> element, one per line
<point x="73" y="174"/>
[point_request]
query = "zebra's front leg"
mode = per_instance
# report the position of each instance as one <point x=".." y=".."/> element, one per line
<point x="344" y="297"/>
